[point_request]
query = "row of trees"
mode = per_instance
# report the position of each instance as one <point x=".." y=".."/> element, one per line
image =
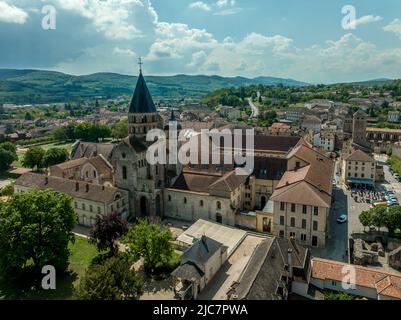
<point x="380" y="217"/>
<point x="37" y="157"/>
<point x="86" y="131"/>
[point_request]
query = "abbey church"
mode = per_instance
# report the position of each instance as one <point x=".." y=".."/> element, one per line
<point x="287" y="192"/>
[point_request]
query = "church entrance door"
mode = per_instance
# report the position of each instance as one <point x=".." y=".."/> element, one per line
<point x="144" y="207"/>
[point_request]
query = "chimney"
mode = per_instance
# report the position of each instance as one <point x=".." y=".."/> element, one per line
<point x="290" y="270"/>
<point x="77" y="186"/>
<point x="87" y="187"/>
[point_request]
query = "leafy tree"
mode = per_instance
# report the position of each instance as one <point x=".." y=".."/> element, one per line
<point x="120" y="130"/>
<point x="8" y="154"/>
<point x="35" y="229"/>
<point x="60" y="134"/>
<point x="28" y="116"/>
<point x="34" y="158"/>
<point x="114" y="279"/>
<point x="54" y="156"/>
<point x="9" y="146"/>
<point x="107" y="230"/>
<point x="379" y="216"/>
<point x="366" y="218"/>
<point x="392" y="219"/>
<point x="152" y="243"/>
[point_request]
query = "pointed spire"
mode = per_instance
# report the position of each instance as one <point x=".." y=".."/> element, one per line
<point x="142" y="101"/>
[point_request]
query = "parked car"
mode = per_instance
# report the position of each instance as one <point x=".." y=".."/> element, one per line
<point x="342" y="218"/>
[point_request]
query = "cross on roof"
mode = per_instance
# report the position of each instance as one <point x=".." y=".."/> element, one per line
<point x="140" y="63"/>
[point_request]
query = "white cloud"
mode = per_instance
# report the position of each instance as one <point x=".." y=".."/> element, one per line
<point x="200" y="5"/>
<point x="111" y="17"/>
<point x="394" y="27"/>
<point x="225" y="3"/>
<point x="228" y="12"/>
<point x="12" y="14"/>
<point x="367" y="19"/>
<point x="124" y="52"/>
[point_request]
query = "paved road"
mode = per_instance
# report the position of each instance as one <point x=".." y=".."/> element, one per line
<point x="255" y="109"/>
<point x="337" y="240"/>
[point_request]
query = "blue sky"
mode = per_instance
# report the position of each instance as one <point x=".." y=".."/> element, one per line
<point x="300" y="39"/>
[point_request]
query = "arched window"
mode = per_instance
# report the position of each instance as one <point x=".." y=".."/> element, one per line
<point x="218" y="205"/>
<point x="169" y="198"/>
<point x="201" y="203"/>
<point x="125" y="173"/>
<point x="185" y="200"/>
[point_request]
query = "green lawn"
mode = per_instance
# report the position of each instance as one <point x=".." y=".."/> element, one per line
<point x="21" y="152"/>
<point x="82" y="254"/>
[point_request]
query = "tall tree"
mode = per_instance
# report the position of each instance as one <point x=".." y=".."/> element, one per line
<point x="366" y="218"/>
<point x="120" y="130"/>
<point x="54" y="156"/>
<point x="35" y="229"/>
<point x="107" y="230"/>
<point x="34" y="158"/>
<point x="392" y="220"/>
<point x="151" y="242"/>
<point x="114" y="279"/>
<point x="8" y="154"/>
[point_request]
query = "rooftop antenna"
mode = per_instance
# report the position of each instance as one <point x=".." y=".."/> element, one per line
<point x="140" y="63"/>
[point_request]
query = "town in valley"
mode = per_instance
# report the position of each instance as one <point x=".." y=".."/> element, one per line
<point x="314" y="214"/>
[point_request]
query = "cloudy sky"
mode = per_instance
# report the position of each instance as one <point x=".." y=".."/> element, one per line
<point x="300" y="39"/>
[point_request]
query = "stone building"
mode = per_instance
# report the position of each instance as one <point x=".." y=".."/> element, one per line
<point x="359" y="138"/>
<point x="301" y="202"/>
<point x="358" y="169"/>
<point x="95" y="170"/>
<point x="145" y="182"/>
<point x="89" y="200"/>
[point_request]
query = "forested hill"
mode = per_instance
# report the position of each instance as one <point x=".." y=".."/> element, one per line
<point x="37" y="86"/>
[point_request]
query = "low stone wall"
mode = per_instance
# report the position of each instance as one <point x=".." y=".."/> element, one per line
<point x="376" y="236"/>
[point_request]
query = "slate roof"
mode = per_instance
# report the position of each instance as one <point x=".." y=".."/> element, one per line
<point x="90" y="149"/>
<point x="188" y="271"/>
<point x="263" y="273"/>
<point x="95" y="192"/>
<point x="201" y="251"/>
<point x="269" y="168"/>
<point x="142" y="101"/>
<point x="359" y="155"/>
<point x="207" y="182"/>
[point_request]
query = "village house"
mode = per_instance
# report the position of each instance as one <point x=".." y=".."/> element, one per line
<point x="312" y="123"/>
<point x="199" y="264"/>
<point x="368" y="282"/>
<point x="358" y="169"/>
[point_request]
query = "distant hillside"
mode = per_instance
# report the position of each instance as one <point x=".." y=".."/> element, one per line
<point x="374" y="82"/>
<point x="36" y="86"/>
